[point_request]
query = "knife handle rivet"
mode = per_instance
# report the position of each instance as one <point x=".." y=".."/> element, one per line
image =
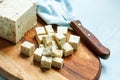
<point x="79" y="24"/>
<point x="88" y="35"/>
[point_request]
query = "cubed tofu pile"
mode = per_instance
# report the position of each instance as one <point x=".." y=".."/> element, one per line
<point x="52" y="46"/>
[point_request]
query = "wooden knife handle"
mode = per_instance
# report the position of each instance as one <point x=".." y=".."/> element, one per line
<point x="90" y="40"/>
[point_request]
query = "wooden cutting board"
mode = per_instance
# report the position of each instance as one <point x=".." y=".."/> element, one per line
<point x="82" y="65"/>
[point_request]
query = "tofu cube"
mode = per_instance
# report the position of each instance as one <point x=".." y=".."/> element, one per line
<point x="16" y="19"/>
<point x="46" y="62"/>
<point x="57" y="62"/>
<point x="68" y="50"/>
<point x="60" y="38"/>
<point x="51" y="35"/>
<point x="40" y="30"/>
<point x="62" y="29"/>
<point x="54" y="44"/>
<point x="74" y="41"/>
<point x="47" y="41"/>
<point x="27" y="48"/>
<point x="41" y="46"/>
<point x="47" y="51"/>
<point x="59" y="53"/>
<point x="49" y="29"/>
<point x="38" y="54"/>
<point x="39" y="39"/>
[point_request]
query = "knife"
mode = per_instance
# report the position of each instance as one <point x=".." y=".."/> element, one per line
<point x="90" y="40"/>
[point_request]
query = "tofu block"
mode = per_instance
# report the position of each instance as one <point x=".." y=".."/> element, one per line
<point x="16" y="19"/>
<point x="74" y="41"/>
<point x="60" y="38"/>
<point x="68" y="50"/>
<point x="62" y="29"/>
<point x="38" y="54"/>
<point x="46" y="62"/>
<point x="57" y="62"/>
<point x="40" y="30"/>
<point x="27" y="48"/>
<point x="49" y="29"/>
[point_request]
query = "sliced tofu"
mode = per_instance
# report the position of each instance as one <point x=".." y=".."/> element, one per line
<point x="49" y="29"/>
<point x="57" y="62"/>
<point x="68" y="50"/>
<point x="62" y="29"/>
<point x="46" y="62"/>
<point x="27" y="48"/>
<point x="40" y="30"/>
<point x="38" y="54"/>
<point x="74" y="41"/>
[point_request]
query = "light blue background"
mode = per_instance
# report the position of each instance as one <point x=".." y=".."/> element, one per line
<point x="102" y="17"/>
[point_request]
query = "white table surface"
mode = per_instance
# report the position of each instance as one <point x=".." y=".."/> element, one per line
<point x="102" y="18"/>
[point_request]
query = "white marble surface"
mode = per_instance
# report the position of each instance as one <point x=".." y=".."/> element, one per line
<point x="102" y="17"/>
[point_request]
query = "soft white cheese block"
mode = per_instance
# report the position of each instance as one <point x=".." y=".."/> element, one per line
<point x="27" y="48"/>
<point x="38" y="54"/>
<point x="68" y="50"/>
<point x="16" y="18"/>
<point x="62" y="29"/>
<point x="74" y="41"/>
<point x="57" y="62"/>
<point x="46" y="62"/>
<point x="49" y="29"/>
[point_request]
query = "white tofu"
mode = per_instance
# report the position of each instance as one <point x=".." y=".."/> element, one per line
<point x="74" y="41"/>
<point x="40" y="30"/>
<point x="47" y="41"/>
<point x="41" y="46"/>
<point x="27" y="48"/>
<point x="60" y="38"/>
<point x="49" y="29"/>
<point x="47" y="51"/>
<point x="54" y="44"/>
<point x="39" y="39"/>
<point x="59" y="53"/>
<point x="62" y="29"/>
<point x="38" y="54"/>
<point x="68" y="50"/>
<point x="57" y="62"/>
<point x="51" y="35"/>
<point x="46" y="62"/>
<point x="16" y="19"/>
